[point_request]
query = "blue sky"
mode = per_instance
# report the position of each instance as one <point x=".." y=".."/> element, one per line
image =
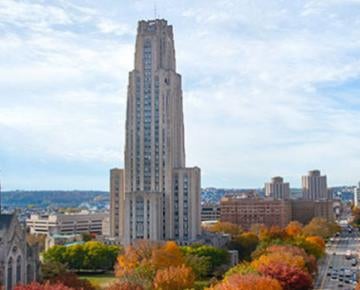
<point x="270" y="88"/>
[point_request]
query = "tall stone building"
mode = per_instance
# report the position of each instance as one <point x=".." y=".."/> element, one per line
<point x="314" y="186"/>
<point x="277" y="188"/>
<point x="156" y="197"/>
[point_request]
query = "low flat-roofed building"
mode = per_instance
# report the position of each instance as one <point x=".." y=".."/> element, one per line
<point x="304" y="211"/>
<point x="83" y="222"/>
<point x="210" y="212"/>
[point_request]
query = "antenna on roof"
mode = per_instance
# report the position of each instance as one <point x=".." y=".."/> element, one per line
<point x="155" y="10"/>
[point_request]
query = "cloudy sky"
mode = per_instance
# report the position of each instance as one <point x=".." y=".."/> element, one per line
<point x="270" y="88"/>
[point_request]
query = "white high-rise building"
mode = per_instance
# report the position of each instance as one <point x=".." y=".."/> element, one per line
<point x="314" y="186"/>
<point x="277" y="188"/>
<point x="155" y="197"/>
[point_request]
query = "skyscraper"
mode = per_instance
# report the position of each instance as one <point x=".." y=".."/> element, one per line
<point x="156" y="197"/>
<point x="277" y="188"/>
<point x="314" y="186"/>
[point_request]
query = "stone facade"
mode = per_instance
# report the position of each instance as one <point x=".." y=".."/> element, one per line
<point x="147" y="200"/>
<point x="19" y="262"/>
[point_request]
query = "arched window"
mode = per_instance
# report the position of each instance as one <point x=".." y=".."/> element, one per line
<point x="29" y="272"/>
<point x="9" y="274"/>
<point x="18" y="269"/>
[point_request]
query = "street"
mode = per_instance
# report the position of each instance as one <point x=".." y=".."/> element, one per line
<point x="335" y="271"/>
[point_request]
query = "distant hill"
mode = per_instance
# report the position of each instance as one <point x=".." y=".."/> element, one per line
<point x="20" y="198"/>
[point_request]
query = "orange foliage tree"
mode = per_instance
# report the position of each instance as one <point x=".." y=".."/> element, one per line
<point x="247" y="282"/>
<point x="174" y="278"/>
<point x="285" y="258"/>
<point x="316" y="240"/>
<point x="166" y="256"/>
<point x="294" y="228"/>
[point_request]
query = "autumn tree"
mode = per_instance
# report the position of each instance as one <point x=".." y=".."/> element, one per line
<point x="174" y="278"/>
<point x="317" y="241"/>
<point x="285" y="258"/>
<point x="320" y="227"/>
<point x="124" y="286"/>
<point x="46" y="286"/>
<point x="241" y="268"/>
<point x="70" y="279"/>
<point x="225" y="227"/>
<point x="310" y="261"/>
<point x="357" y="286"/>
<point x="247" y="282"/>
<point x="199" y="265"/>
<point x="310" y="247"/>
<point x="294" y="228"/>
<point x="290" y="277"/>
<point x="51" y="269"/>
<point x="168" y="255"/>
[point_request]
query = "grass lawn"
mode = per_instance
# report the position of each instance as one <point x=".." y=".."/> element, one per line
<point x="101" y="280"/>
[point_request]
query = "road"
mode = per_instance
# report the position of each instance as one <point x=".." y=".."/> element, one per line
<point x="346" y="241"/>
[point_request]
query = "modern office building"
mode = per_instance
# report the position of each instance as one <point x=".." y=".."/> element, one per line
<point x="248" y="211"/>
<point x="210" y="212"/>
<point x="155" y="197"/>
<point x="314" y="186"/>
<point x="76" y="223"/>
<point x="277" y="188"/>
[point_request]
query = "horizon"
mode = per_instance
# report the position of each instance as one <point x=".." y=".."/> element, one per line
<point x="267" y="91"/>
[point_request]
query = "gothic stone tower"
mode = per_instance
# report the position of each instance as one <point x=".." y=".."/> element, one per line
<point x="156" y="197"/>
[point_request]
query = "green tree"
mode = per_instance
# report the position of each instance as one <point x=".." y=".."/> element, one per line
<point x="56" y="254"/>
<point x="199" y="265"/>
<point x="245" y="244"/>
<point x="217" y="257"/>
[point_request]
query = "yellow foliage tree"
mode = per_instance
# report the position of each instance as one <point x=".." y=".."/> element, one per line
<point x="226" y="227"/>
<point x="316" y="240"/>
<point x="167" y="255"/>
<point x="294" y="228"/>
<point x="174" y="278"/>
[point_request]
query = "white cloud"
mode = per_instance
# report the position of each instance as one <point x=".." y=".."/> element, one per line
<point x="261" y="82"/>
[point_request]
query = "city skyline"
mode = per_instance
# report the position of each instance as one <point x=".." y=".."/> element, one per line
<point x="276" y="96"/>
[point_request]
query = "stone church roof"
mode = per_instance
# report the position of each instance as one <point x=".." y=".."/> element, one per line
<point x="5" y="221"/>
